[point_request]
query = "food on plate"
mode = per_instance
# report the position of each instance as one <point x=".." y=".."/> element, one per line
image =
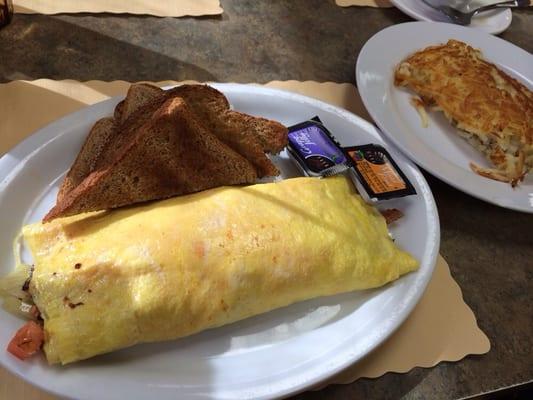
<point x="163" y="270"/>
<point x="172" y="155"/>
<point x="138" y="95"/>
<point x="377" y="174"/>
<point x="315" y="149"/>
<point x="250" y="136"/>
<point x="374" y="172"/>
<point x="418" y="104"/>
<point x="491" y="110"/>
<point x="27" y="341"/>
<point x="163" y="143"/>
<point x="100" y="134"/>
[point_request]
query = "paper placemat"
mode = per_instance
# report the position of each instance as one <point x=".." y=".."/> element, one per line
<point x="441" y="327"/>
<point x="364" y="3"/>
<point x="167" y="8"/>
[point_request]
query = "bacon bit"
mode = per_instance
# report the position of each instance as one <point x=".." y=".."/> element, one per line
<point x="391" y="215"/>
<point x="89" y="290"/>
<point x="54" y="273"/>
<point x="27" y="341"/>
<point x="77" y="265"/>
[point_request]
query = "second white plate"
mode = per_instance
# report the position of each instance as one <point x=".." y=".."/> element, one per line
<point x="437" y="148"/>
<point x="494" y="21"/>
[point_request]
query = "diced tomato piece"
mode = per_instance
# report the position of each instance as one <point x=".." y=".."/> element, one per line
<point x="27" y="341"/>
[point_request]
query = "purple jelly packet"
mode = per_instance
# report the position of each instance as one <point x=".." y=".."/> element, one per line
<point x="316" y="150"/>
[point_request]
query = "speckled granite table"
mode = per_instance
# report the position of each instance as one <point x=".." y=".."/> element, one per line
<point x="489" y="249"/>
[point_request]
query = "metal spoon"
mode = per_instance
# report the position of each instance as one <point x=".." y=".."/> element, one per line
<point x="465" y="18"/>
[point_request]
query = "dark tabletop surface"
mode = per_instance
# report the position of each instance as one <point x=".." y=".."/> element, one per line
<point x="489" y="249"/>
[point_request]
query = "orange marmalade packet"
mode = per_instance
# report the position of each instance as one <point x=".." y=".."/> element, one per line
<point x="377" y="172"/>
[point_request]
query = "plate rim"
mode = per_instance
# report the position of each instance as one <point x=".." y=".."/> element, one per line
<point x="400" y="5"/>
<point x="45" y="135"/>
<point x="398" y="142"/>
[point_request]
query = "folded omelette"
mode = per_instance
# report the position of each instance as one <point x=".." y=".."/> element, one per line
<point x="108" y="280"/>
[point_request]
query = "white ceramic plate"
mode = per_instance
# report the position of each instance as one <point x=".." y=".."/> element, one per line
<point x="494" y="21"/>
<point x="437" y="148"/>
<point x="271" y="355"/>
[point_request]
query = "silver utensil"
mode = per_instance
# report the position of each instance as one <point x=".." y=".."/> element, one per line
<point x="465" y="18"/>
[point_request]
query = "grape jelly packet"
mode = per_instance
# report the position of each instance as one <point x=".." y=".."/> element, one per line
<point x="316" y="150"/>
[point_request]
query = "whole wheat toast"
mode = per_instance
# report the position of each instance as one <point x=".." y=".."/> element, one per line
<point x="138" y="95"/>
<point x="246" y="135"/>
<point x="250" y="136"/>
<point x="97" y="140"/>
<point x="170" y="154"/>
<point x="102" y="133"/>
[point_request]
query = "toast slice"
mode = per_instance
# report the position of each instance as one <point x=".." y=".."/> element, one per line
<point x="127" y="130"/>
<point x="248" y="135"/>
<point x="169" y="154"/>
<point x="105" y="131"/>
<point x="97" y="140"/>
<point x="212" y="105"/>
<point x="138" y="95"/>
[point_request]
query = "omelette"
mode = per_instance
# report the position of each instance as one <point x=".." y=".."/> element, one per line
<point x="103" y="281"/>
<point x="491" y="110"/>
